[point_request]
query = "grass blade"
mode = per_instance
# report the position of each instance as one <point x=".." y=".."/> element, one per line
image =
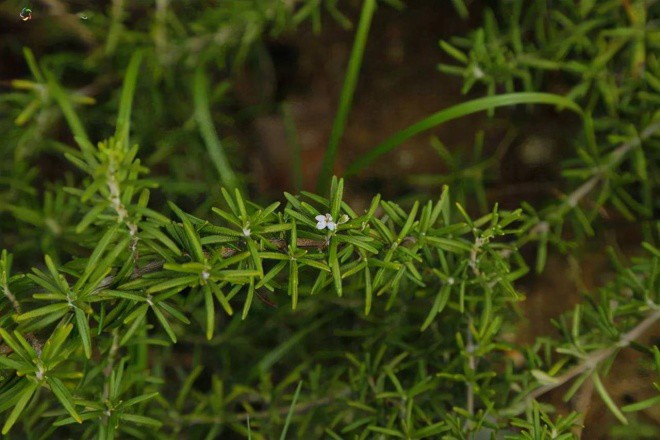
<point x="294" y="143"/>
<point x="207" y="130"/>
<point x="290" y="413"/>
<point x="346" y="98"/>
<point x="454" y="112"/>
<point x="126" y="102"/>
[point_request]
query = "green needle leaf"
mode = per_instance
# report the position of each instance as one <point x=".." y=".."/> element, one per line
<point x="210" y="312"/>
<point x="83" y="328"/>
<point x="440" y="301"/>
<point x="602" y="392"/>
<point x="64" y="396"/>
<point x="26" y="395"/>
<point x="164" y="323"/>
<point x="248" y="299"/>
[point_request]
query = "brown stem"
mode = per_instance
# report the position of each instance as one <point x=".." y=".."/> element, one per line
<point x="615" y="157"/>
<point x="595" y="358"/>
<point x="224" y="251"/>
<point x="12" y="299"/>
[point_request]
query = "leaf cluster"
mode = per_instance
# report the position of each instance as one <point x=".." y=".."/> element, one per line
<point x="149" y="310"/>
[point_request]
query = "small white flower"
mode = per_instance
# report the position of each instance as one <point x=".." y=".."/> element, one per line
<point x="205" y="275"/>
<point x="246" y="232"/>
<point x="325" y="221"/>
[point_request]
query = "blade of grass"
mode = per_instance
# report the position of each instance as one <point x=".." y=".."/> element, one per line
<point x="126" y="102"/>
<point x="290" y="413"/>
<point x="294" y="143"/>
<point x="454" y="112"/>
<point x="207" y="130"/>
<point x="347" y="91"/>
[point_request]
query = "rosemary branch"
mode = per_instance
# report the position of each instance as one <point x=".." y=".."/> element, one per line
<point x="597" y="357"/>
<point x="616" y="156"/>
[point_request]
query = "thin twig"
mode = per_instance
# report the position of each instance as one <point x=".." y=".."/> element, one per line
<point x="615" y="157"/>
<point x="597" y="357"/>
<point x="226" y="252"/>
<point x="12" y="299"/>
<point x="474" y="253"/>
<point x="572" y="200"/>
<point x="120" y="209"/>
<point x="241" y="417"/>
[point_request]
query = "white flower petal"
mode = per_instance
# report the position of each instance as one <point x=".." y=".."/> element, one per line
<point x="325" y="221"/>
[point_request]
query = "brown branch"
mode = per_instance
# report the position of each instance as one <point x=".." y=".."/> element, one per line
<point x="12" y="299"/>
<point x="582" y="404"/>
<point x="615" y="158"/>
<point x="226" y="252"/>
<point x="595" y="358"/>
<point x="575" y="197"/>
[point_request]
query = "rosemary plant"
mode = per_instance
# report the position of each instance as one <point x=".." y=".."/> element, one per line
<point x="131" y="306"/>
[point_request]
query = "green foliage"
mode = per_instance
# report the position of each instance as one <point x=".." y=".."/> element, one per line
<point x="606" y="54"/>
<point x="131" y="309"/>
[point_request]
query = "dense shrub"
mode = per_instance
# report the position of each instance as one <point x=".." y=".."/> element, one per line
<point x="137" y="302"/>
